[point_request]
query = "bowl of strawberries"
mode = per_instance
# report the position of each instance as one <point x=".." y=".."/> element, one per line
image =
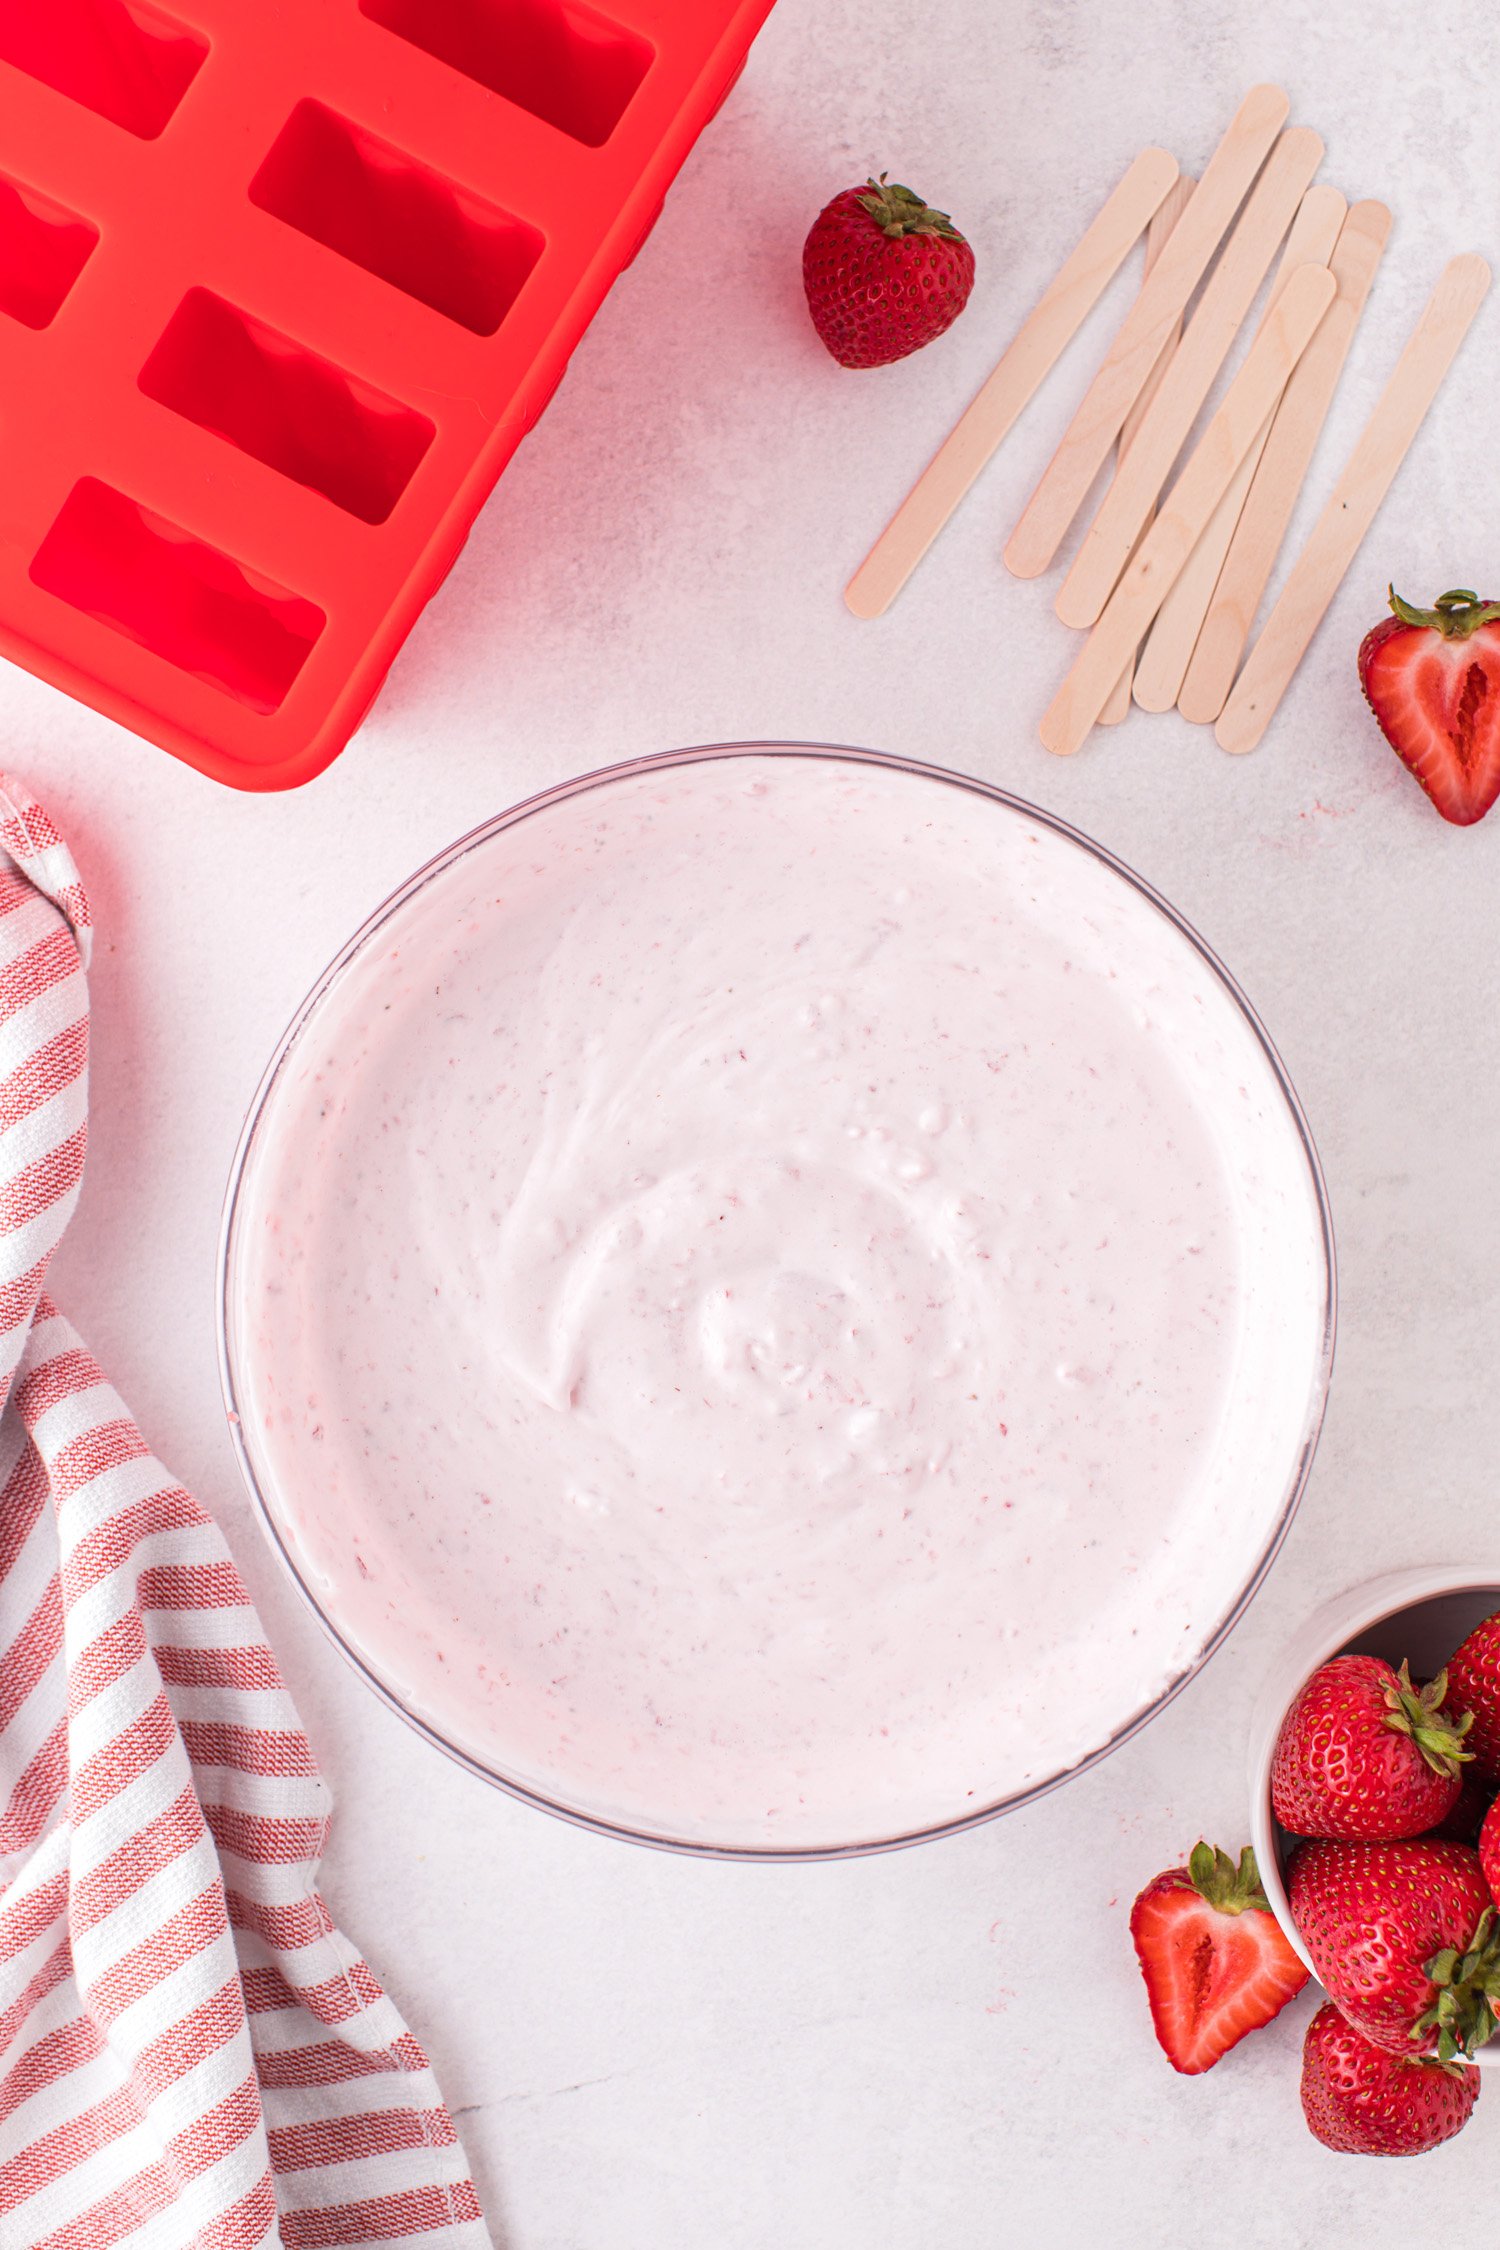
<point x="1375" y="1812"/>
<point x="1374" y="1869"/>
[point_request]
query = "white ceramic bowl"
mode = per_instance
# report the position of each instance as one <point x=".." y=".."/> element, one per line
<point x="1421" y="1615"/>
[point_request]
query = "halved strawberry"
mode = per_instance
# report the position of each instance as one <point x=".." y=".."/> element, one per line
<point x="1432" y="679"/>
<point x="1213" y="1956"/>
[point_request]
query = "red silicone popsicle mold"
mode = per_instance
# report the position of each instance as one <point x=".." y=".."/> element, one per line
<point x="283" y="283"/>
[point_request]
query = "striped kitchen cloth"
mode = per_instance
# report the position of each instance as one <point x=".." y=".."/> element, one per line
<point x="190" y="2053"/>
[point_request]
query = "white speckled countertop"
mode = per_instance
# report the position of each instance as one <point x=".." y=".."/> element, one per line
<point x="949" y="2045"/>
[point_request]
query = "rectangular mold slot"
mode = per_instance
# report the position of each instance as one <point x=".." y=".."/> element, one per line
<point x="560" y="60"/>
<point x="287" y="406"/>
<point x="396" y="217"/>
<point x="186" y="602"/>
<point x="44" y="247"/>
<point x="123" y="59"/>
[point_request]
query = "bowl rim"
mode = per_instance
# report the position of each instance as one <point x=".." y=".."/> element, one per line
<point x="1342" y="1618"/>
<point x="475" y="839"/>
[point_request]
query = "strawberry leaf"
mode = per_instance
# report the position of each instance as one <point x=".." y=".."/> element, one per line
<point x="1418" y="1713"/>
<point x="1454" y="615"/>
<point x="1227" y="1888"/>
<point x="898" y="211"/>
<point x="1467" y="1983"/>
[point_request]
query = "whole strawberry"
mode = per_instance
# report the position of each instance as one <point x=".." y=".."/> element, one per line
<point x="1364" y="1755"/>
<point x="1213" y="1955"/>
<point x="1401" y="1936"/>
<point x="1463" y="1823"/>
<point x="1365" y="2103"/>
<point x="1474" y="1686"/>
<point x="1432" y="679"/>
<point x="884" y="274"/>
<point x="1489" y="1849"/>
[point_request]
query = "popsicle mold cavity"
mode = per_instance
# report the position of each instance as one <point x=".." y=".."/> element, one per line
<point x="44" y="247"/>
<point x="565" y="63"/>
<point x="128" y="62"/>
<point x="287" y="406"/>
<point x="398" y="218"/>
<point x="185" y="601"/>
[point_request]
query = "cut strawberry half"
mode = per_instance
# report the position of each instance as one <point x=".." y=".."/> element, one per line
<point x="1213" y="1955"/>
<point x="1432" y="679"/>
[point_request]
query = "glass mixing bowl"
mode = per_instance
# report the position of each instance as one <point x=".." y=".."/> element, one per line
<point x="373" y="1320"/>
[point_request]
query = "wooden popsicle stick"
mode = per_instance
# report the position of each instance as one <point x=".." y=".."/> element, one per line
<point x="1227" y="298"/>
<point x="1157" y="234"/>
<point x="1283" y="466"/>
<point x="1163" y="662"/>
<point x="1319" y="569"/>
<point x="1145" y="328"/>
<point x="1186" y="509"/>
<point x="1019" y="373"/>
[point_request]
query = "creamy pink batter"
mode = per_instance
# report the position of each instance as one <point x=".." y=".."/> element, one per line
<point x="777" y="1302"/>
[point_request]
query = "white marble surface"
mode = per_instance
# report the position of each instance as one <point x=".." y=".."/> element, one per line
<point x="948" y="2046"/>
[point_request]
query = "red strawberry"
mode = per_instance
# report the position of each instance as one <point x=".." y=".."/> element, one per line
<point x="1432" y="679"/>
<point x="1489" y="1849"/>
<point x="1401" y="1935"/>
<point x="1365" y="2103"/>
<point x="884" y="274"/>
<point x="1474" y="1686"/>
<point x="1213" y="1956"/>
<point x="1463" y="1823"/>
<point x="1364" y="1755"/>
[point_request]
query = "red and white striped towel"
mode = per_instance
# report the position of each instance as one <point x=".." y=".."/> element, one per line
<point x="190" y="2053"/>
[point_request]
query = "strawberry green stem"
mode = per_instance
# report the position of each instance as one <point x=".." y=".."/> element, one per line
<point x="898" y="211"/>
<point x="1468" y="1983"/>
<point x="1419" y="1713"/>
<point x="1231" y="1889"/>
<point x="1455" y="615"/>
